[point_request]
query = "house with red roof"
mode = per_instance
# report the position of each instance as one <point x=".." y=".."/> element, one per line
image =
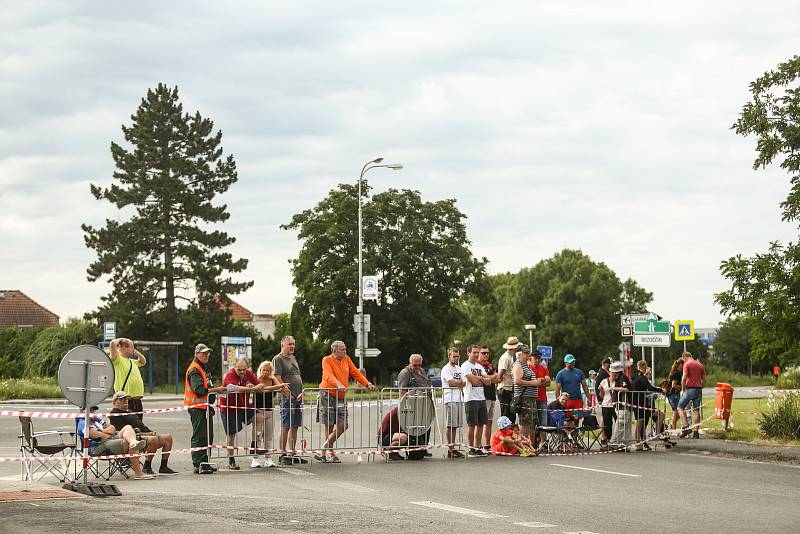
<point x="18" y="309"/>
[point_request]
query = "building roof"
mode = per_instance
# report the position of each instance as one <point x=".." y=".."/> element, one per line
<point x="18" y="309"/>
<point x="238" y="312"/>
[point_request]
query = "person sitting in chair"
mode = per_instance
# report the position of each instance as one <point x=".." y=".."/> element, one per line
<point x="104" y="439"/>
<point x="154" y="441"/>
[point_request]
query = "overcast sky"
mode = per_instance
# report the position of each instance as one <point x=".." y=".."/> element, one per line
<point x="594" y="125"/>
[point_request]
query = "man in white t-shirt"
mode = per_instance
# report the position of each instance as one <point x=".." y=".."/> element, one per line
<point x="452" y="383"/>
<point x="505" y="388"/>
<point x="475" y="378"/>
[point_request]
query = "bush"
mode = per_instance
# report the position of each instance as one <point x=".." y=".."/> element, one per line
<point x="781" y="419"/>
<point x="14" y="343"/>
<point x="789" y="379"/>
<point x="26" y="388"/>
<point x="717" y="374"/>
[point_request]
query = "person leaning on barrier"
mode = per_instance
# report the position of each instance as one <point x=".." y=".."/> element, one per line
<point x="505" y="385"/>
<point x="127" y="377"/>
<point x="452" y="398"/>
<point x="286" y="370"/>
<point x="235" y="409"/>
<point x="197" y="395"/>
<point x="489" y="393"/>
<point x="104" y="440"/>
<point x="390" y="434"/>
<point x="337" y="370"/>
<point x="619" y="386"/>
<point x="262" y="401"/>
<point x="122" y="417"/>
<point x="411" y="376"/>
<point x="640" y="386"/>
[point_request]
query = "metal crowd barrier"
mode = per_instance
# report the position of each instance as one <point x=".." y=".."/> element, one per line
<point x="256" y="429"/>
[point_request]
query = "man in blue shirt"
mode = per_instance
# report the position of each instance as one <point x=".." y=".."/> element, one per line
<point x="571" y="380"/>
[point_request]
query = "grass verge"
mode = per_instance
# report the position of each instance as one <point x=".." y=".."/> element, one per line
<point x="745" y="414"/>
<point x="27" y="388"/>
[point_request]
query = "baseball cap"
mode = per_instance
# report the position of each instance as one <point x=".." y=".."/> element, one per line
<point x="569" y="358"/>
<point x="536" y="352"/>
<point x="523" y="348"/>
<point x="120" y="395"/>
<point x="201" y="347"/>
<point x="607" y="359"/>
<point x="503" y="422"/>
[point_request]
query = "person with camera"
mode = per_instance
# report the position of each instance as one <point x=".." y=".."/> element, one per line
<point x="127" y="377"/>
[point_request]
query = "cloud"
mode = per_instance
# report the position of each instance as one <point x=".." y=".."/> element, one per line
<point x="603" y="127"/>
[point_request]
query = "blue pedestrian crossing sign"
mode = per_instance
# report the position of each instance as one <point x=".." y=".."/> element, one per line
<point x="547" y="352"/>
<point x="684" y="330"/>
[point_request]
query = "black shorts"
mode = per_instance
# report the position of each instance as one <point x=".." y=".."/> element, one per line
<point x="386" y="440"/>
<point x="476" y="412"/>
<point x="234" y="420"/>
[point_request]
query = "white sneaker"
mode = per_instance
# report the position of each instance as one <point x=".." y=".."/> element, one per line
<point x="255" y="463"/>
<point x="269" y="463"/>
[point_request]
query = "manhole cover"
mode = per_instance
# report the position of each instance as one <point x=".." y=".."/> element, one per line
<point x="32" y="495"/>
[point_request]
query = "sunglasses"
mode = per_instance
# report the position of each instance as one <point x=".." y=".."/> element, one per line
<point x="486" y="353"/>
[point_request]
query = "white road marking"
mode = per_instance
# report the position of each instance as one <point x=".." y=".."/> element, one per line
<point x="597" y="470"/>
<point x="352" y="487"/>
<point x="579" y="532"/>
<point x="12" y="477"/>
<point x="458" y="510"/>
<point x="535" y="524"/>
<point x="296" y="472"/>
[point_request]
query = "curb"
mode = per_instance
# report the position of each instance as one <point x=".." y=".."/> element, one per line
<point x="738" y="449"/>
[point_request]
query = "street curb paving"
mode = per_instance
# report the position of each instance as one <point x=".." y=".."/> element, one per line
<point x="739" y="449"/>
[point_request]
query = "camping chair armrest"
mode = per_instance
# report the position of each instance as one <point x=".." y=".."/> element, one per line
<point x="52" y="433"/>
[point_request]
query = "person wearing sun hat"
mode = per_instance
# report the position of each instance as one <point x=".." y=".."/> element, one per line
<point x="571" y="380"/>
<point x="505" y="384"/>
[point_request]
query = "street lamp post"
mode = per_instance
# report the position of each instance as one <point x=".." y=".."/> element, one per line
<point x="361" y="345"/>
<point x="530" y="328"/>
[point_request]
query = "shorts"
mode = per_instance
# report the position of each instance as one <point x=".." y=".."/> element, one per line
<point x="476" y="412"/>
<point x="490" y="409"/>
<point x="573" y="404"/>
<point x="291" y="417"/>
<point x="331" y="409"/>
<point x="234" y="420"/>
<point x="691" y="396"/>
<point x="673" y="397"/>
<point x="527" y="414"/>
<point x="109" y="446"/>
<point x="454" y="413"/>
<point x="541" y="412"/>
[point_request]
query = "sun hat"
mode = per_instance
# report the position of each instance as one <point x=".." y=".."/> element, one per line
<point x="511" y="343"/>
<point x="503" y="423"/>
<point x="569" y="358"/>
<point x="616" y="367"/>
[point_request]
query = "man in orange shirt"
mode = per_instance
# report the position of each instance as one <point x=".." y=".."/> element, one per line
<point x="337" y="370"/>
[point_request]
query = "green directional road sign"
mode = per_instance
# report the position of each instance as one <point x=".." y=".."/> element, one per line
<point x="651" y="326"/>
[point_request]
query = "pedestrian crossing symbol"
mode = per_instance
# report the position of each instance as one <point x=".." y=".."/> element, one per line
<point x="684" y="330"/>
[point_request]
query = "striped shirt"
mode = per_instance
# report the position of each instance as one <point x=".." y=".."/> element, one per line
<point x="527" y="374"/>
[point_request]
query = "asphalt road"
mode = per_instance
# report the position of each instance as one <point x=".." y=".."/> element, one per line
<point x="610" y="493"/>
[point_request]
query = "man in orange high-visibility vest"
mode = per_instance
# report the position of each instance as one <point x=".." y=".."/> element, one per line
<point x="197" y="387"/>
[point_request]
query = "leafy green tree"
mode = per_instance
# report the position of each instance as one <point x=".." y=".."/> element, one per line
<point x="164" y="255"/>
<point x="419" y="250"/>
<point x="44" y="355"/>
<point x="766" y="286"/>
<point x="574" y="301"/>
<point x="14" y="343"/>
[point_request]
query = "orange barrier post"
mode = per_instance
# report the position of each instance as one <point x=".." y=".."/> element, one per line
<point x="722" y="406"/>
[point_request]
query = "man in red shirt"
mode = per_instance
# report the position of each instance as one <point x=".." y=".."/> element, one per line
<point x="694" y="378"/>
<point x="235" y="409"/>
<point x="391" y="435"/>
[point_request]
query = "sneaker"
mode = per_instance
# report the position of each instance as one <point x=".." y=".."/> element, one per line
<point x="166" y="471"/>
<point x="139" y="445"/>
<point x="476" y="453"/>
<point x="685" y="432"/>
<point x="254" y="463"/>
<point x="320" y="458"/>
<point x="148" y="470"/>
<point x="233" y="467"/>
<point x="334" y="459"/>
<point x="144" y="476"/>
<point x="286" y="460"/>
<point x="394" y="456"/>
<point x="487" y="448"/>
<point x="213" y="467"/>
<point x="204" y="469"/>
<point x="696" y="434"/>
<point x="428" y="454"/>
<point x="455" y="454"/>
<point x="269" y="463"/>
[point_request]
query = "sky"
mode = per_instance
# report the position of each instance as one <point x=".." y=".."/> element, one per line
<point x="601" y="126"/>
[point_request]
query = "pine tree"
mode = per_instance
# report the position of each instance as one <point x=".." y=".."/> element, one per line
<point x="164" y="256"/>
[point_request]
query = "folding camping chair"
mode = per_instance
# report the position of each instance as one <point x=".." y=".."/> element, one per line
<point x="99" y="467"/>
<point x="589" y="431"/>
<point x="50" y="458"/>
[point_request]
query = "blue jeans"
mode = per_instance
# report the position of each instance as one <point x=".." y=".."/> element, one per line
<point x="691" y="396"/>
<point x="541" y="410"/>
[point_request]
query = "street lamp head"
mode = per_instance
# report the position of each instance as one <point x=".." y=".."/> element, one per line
<point x="376" y="160"/>
<point x="394" y="166"/>
<point x="530" y="327"/>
